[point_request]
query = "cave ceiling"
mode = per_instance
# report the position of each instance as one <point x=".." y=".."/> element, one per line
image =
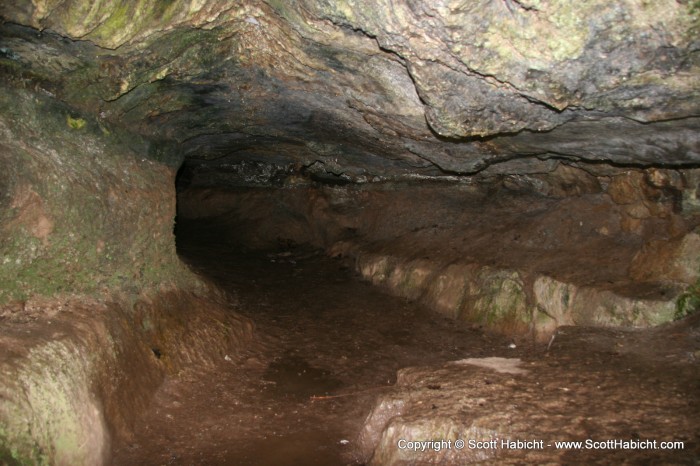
<point x="365" y="90"/>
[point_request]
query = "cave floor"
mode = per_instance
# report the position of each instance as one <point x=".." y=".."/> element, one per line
<point x="329" y="346"/>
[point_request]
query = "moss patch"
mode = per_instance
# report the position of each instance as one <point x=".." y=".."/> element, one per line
<point x="75" y="123"/>
<point x="111" y="24"/>
<point x="688" y="303"/>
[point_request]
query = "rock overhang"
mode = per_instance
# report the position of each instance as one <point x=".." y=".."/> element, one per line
<point x="358" y="92"/>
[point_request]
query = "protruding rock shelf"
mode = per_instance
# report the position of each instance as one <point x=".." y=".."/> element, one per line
<point x="502" y="299"/>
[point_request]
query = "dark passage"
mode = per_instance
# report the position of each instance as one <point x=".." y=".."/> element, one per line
<point x="328" y="349"/>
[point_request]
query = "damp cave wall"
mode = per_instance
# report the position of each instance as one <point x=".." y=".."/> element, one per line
<point x="329" y="124"/>
<point x="90" y="284"/>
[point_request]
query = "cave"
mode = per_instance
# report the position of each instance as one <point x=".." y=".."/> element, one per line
<point x="315" y="232"/>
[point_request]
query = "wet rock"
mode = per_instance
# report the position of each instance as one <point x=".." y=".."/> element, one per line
<point x="567" y="304"/>
<point x="690" y="197"/>
<point x="84" y="209"/>
<point x="562" y="140"/>
<point x="500" y="300"/>
<point x="370" y="89"/>
<point x="676" y="260"/>
<point x="294" y="378"/>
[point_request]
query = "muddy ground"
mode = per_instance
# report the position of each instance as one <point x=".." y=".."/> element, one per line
<point x="329" y="347"/>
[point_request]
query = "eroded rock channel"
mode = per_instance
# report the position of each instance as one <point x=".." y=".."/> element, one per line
<point x="313" y="232"/>
<point x="320" y="385"/>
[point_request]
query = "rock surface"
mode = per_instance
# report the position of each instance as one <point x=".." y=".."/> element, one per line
<point x="508" y="411"/>
<point x="84" y="209"/>
<point x="78" y="372"/>
<point x="362" y="89"/>
<point x="564" y="138"/>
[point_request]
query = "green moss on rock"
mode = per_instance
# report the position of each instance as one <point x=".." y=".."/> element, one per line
<point x="111" y="24"/>
<point x="75" y="123"/>
<point x="501" y="300"/>
<point x="688" y="302"/>
<point x="83" y="211"/>
<point x="56" y="416"/>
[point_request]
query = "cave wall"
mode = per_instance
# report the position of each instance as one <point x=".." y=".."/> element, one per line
<point x="96" y="308"/>
<point x="85" y="209"/>
<point x="418" y="139"/>
<point x="78" y="372"/>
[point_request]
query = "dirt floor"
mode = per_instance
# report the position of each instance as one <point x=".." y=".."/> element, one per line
<point x="330" y="345"/>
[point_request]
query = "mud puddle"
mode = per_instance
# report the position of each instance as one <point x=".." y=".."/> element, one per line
<point x="292" y="377"/>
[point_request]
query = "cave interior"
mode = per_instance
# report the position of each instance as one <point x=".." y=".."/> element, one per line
<point x="312" y="232"/>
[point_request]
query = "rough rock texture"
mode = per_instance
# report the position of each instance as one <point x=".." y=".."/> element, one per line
<point x="84" y="209"/>
<point x="77" y="373"/>
<point x="494" y="401"/>
<point x="95" y="306"/>
<point x="589" y="109"/>
<point x="364" y="89"/>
